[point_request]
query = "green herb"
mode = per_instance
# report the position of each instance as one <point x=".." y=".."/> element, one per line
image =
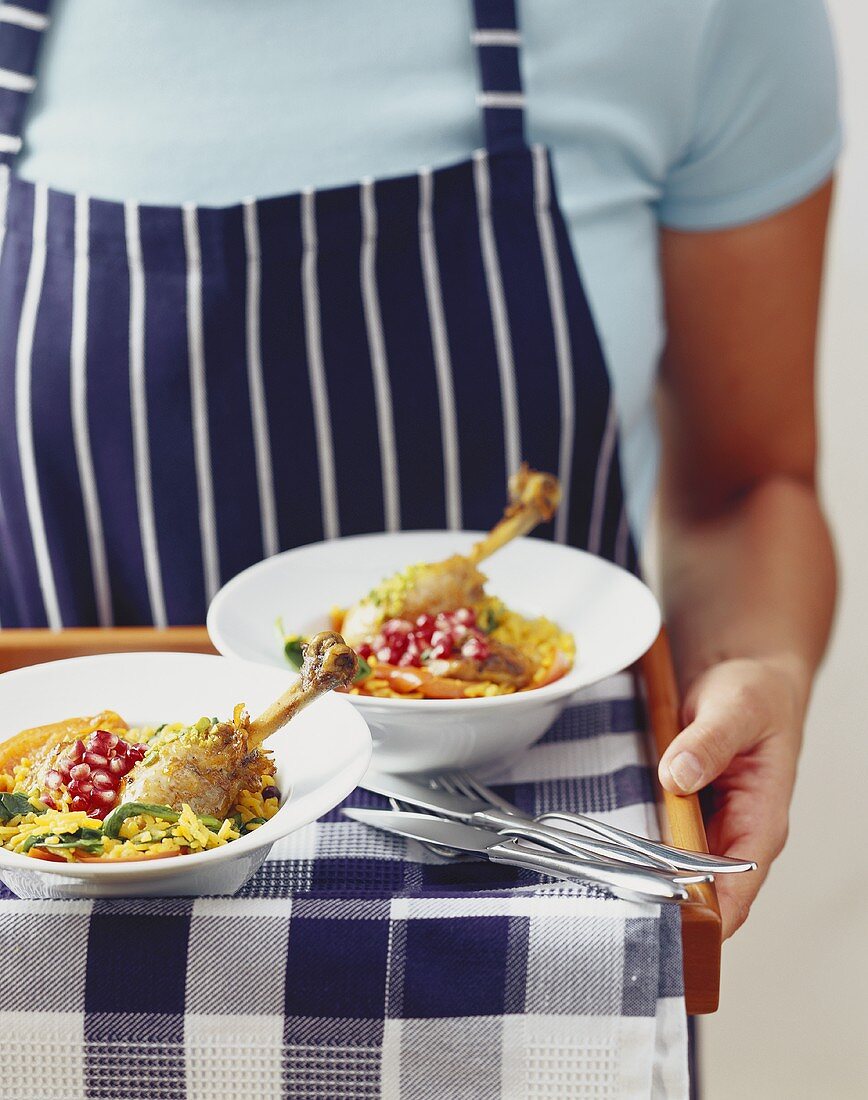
<point x="488" y="620"/>
<point x="11" y="805"/>
<point x="293" y="649"/>
<point x="112" y="824"/>
<point x="364" y="670"/>
<point x="90" y="840"/>
<point x="254" y="821"/>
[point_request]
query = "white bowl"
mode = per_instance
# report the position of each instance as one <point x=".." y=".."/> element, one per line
<point x="320" y="756"/>
<point x="612" y="615"/>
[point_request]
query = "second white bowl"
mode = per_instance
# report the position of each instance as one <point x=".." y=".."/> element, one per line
<point x="612" y="615"/>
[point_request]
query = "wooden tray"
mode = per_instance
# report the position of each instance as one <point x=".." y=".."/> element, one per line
<point x="680" y="818"/>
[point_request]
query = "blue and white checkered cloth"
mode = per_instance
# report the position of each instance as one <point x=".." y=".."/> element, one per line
<point x="356" y="965"/>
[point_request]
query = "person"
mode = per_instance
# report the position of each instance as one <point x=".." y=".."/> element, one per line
<point x="192" y="379"/>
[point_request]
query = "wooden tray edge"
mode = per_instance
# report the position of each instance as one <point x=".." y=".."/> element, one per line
<point x="681" y="824"/>
<point x="19" y="648"/>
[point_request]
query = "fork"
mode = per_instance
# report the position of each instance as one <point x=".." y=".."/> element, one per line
<point x="617" y="844"/>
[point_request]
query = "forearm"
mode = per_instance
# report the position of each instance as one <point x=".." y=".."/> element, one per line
<point x="754" y="580"/>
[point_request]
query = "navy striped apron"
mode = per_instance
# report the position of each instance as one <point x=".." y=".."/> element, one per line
<point x="186" y="390"/>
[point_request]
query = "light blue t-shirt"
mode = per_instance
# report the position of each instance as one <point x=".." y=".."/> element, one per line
<point x="696" y="114"/>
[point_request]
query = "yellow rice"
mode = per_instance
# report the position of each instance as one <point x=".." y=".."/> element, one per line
<point x="144" y="834"/>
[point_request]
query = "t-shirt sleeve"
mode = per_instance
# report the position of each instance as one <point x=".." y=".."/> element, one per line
<point x="767" y="128"/>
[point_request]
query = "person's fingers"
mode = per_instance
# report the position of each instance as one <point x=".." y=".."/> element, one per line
<point x="726" y="719"/>
<point x="750" y="824"/>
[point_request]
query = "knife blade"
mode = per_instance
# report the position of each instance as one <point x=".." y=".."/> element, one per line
<point x="620" y="846"/>
<point x="632" y="883"/>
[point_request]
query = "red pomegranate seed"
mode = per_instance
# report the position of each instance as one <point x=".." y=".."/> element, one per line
<point x="364" y="650"/>
<point x="120" y="765"/>
<point x="103" y="798"/>
<point x="46" y="800"/>
<point x="103" y="738"/>
<point x="75" y="752"/>
<point x="80" y="771"/>
<point x="78" y="804"/>
<point x="96" y="759"/>
<point x="438" y="652"/>
<point x="53" y="779"/>
<point x="104" y="780"/>
<point x="81" y="787"/>
<point x="63" y="766"/>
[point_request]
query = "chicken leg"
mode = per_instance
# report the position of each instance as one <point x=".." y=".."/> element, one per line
<point x="455" y="582"/>
<point x="209" y="768"/>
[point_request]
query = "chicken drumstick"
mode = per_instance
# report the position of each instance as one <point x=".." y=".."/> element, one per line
<point x="455" y="582"/>
<point x="208" y="768"/>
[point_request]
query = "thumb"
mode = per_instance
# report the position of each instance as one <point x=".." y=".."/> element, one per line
<point x="717" y="732"/>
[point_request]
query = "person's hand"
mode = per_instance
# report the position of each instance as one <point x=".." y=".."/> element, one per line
<point x="743" y="731"/>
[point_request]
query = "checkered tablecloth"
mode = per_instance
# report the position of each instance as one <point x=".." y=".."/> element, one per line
<point x="354" y="965"/>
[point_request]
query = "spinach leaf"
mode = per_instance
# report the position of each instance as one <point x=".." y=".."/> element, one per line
<point x="293" y="649"/>
<point x="112" y="824"/>
<point x="364" y="670"/>
<point x="11" y="805"/>
<point x="89" y="840"/>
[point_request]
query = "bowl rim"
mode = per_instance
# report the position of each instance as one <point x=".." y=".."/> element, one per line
<point x="569" y="684"/>
<point x="343" y="782"/>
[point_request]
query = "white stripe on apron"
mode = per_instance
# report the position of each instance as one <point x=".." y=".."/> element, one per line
<point x="199" y="403"/>
<point x="560" y="326"/>
<point x="601" y="479"/>
<point x="502" y="340"/>
<point x="316" y="369"/>
<point x="258" y="414"/>
<point x="379" y="364"/>
<point x="440" y="348"/>
<point x="24" y="411"/>
<point x="80" y="427"/>
<point x="139" y="399"/>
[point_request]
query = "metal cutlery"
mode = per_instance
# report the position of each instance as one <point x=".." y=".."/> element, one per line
<point x="678" y="858"/>
<point x="460" y="797"/>
<point x="632" y="883"/>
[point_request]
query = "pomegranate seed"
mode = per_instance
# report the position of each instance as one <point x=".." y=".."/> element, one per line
<point x="96" y="759"/>
<point x="104" y="739"/>
<point x="465" y="616"/>
<point x="80" y="771"/>
<point x="425" y="623"/>
<point x="104" y="798"/>
<point x="75" y="752"/>
<point x="103" y="780"/>
<point x="365" y="650"/>
<point x="53" y="779"/>
<point x="49" y="802"/>
<point x="120" y="765"/>
<point x="438" y="652"/>
<point x="442" y="637"/>
<point x="78" y="804"/>
<point x="81" y="787"/>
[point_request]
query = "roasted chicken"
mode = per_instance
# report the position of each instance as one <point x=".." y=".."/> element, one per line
<point x="208" y="768"/>
<point x="206" y="765"/>
<point x="457" y="581"/>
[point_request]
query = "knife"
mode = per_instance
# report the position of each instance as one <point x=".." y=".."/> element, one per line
<point x="621" y="847"/>
<point x="631" y="883"/>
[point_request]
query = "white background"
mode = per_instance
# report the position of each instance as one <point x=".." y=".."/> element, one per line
<point x="793" y="1021"/>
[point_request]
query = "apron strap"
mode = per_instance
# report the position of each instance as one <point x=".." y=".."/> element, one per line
<point x="21" y="27"/>
<point x="496" y="37"/>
